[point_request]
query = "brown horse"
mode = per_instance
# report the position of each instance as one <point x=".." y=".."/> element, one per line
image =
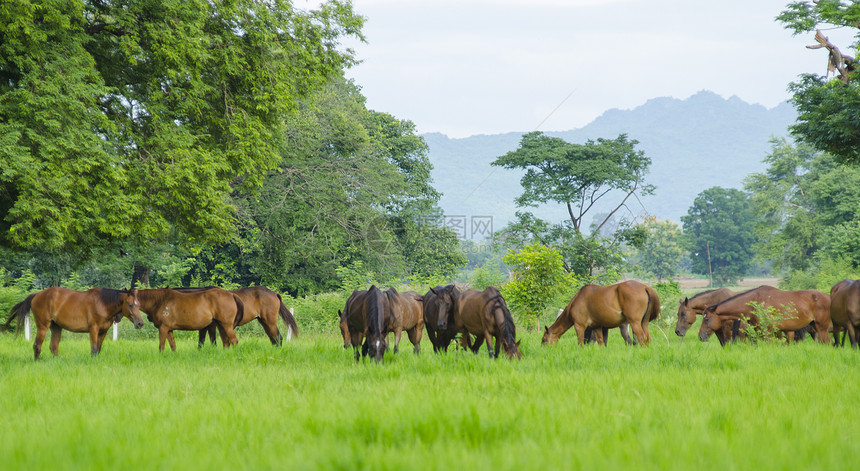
<point x="628" y="302"/>
<point x="845" y="310"/>
<point x="260" y="303"/>
<point x="171" y="310"/>
<point x="93" y="311"/>
<point x="798" y="308"/>
<point x="485" y="315"/>
<point x="341" y="315"/>
<point x="407" y="311"/>
<point x="689" y="308"/>
<point x="365" y="316"/>
<point x="440" y="306"/>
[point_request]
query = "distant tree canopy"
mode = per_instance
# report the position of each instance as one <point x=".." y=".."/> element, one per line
<point x="827" y="108"/>
<point x="807" y="205"/>
<point x="137" y="119"/>
<point x="578" y="176"/>
<point x="719" y="230"/>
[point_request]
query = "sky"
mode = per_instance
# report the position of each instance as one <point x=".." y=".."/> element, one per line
<point x="466" y="67"/>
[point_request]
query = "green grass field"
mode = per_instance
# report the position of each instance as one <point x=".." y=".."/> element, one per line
<point x="308" y="405"/>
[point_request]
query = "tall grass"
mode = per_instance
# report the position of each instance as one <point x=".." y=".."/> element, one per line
<point x="308" y="405"/>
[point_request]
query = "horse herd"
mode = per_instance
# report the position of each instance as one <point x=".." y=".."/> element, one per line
<point x="369" y="316"/>
<point x="202" y="309"/>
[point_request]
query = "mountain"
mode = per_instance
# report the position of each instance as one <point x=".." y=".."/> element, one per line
<point x="694" y="144"/>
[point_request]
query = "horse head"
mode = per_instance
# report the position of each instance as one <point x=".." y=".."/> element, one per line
<point x="445" y="301"/>
<point x="711" y="323"/>
<point x="686" y="318"/>
<point x="131" y="307"/>
<point x="344" y="329"/>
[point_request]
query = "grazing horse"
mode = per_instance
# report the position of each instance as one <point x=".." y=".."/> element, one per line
<point x="845" y="310"/>
<point x="341" y="315"/>
<point x="689" y="308"/>
<point x="485" y="315"/>
<point x="171" y="310"/>
<point x="593" y="306"/>
<point x="440" y="306"/>
<point x="798" y="308"/>
<point x="260" y="303"/>
<point x="365" y="319"/>
<point x="90" y="311"/>
<point x="407" y="311"/>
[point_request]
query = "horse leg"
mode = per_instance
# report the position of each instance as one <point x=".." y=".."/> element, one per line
<point x="398" y="331"/>
<point x="162" y="337"/>
<point x="580" y="333"/>
<point x="272" y="333"/>
<point x="94" y="339"/>
<point x="431" y="334"/>
<point x="231" y="335"/>
<point x="415" y="338"/>
<point x="639" y="332"/>
<point x="201" y="337"/>
<point x="102" y="335"/>
<point x="56" y="333"/>
<point x="852" y="334"/>
<point x="625" y="333"/>
<point x="496" y="347"/>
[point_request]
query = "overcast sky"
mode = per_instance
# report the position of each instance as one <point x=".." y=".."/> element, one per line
<point x="464" y="67"/>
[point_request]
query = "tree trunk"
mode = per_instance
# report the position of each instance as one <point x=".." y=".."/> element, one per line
<point x="140" y="276"/>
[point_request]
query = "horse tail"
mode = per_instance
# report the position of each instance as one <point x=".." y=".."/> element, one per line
<point x="288" y="317"/>
<point x="647" y="315"/>
<point x="19" y="312"/>
<point x="240" y="311"/>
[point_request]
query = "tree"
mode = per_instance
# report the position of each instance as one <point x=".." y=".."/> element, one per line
<point x="537" y="276"/>
<point x="131" y="121"/>
<point x="827" y="108"/>
<point x="719" y="230"/>
<point x="662" y="250"/>
<point x="798" y="201"/>
<point x="578" y="176"/>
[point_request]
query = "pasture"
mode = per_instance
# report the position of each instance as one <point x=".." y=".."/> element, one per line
<point x="678" y="404"/>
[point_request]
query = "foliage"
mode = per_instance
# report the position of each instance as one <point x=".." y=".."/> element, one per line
<point x="577" y="176"/>
<point x="827" y="108"/>
<point x="669" y="293"/>
<point x="354" y="276"/>
<point x="825" y="273"/>
<point x="537" y="276"/>
<point x="124" y="121"/>
<point x="719" y="233"/>
<point x="768" y="318"/>
<point x="485" y="276"/>
<point x="660" y="254"/>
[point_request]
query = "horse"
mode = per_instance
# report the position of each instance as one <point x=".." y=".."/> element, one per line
<point x="611" y="306"/>
<point x="341" y="315"/>
<point x="365" y="316"/>
<point x="485" y="314"/>
<point x="93" y="311"/>
<point x="845" y="310"/>
<point x="689" y="308"/>
<point x="170" y="310"/>
<point x="440" y="306"/>
<point x="798" y="308"/>
<point x="260" y="303"/>
<point x="407" y="310"/>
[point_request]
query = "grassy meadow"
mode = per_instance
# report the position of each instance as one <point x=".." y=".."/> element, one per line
<point x="678" y="404"/>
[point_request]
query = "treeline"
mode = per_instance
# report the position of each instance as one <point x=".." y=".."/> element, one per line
<point x="202" y="143"/>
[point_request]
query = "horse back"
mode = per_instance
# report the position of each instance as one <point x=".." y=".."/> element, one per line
<point x="70" y="309"/>
<point x="845" y="302"/>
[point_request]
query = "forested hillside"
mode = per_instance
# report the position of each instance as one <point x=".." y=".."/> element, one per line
<point x="696" y="143"/>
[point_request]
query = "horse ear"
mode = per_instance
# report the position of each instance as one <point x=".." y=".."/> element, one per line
<point x="518" y="343"/>
<point x="686" y="300"/>
<point x="339" y="314"/>
<point x="433" y="290"/>
<point x="546" y="329"/>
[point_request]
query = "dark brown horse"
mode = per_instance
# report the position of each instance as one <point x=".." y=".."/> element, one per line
<point x="594" y="306"/>
<point x="407" y="311"/>
<point x="845" y="310"/>
<point x="260" y="303"/>
<point x="440" y="306"/>
<point x="366" y="320"/>
<point x="689" y="308"/>
<point x="93" y="311"/>
<point x="341" y="315"/>
<point x="171" y="310"/>
<point x="485" y="315"/>
<point x="797" y="308"/>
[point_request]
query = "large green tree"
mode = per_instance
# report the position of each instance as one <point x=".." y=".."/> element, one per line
<point x="660" y="254"/>
<point x="805" y="203"/>
<point x="828" y="108"/>
<point x="719" y="228"/>
<point x="581" y="177"/>
<point x="134" y="120"/>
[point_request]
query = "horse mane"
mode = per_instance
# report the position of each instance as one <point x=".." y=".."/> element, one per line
<point x="732" y="298"/>
<point x="110" y="297"/>
<point x="374" y="322"/>
<point x="704" y="293"/>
